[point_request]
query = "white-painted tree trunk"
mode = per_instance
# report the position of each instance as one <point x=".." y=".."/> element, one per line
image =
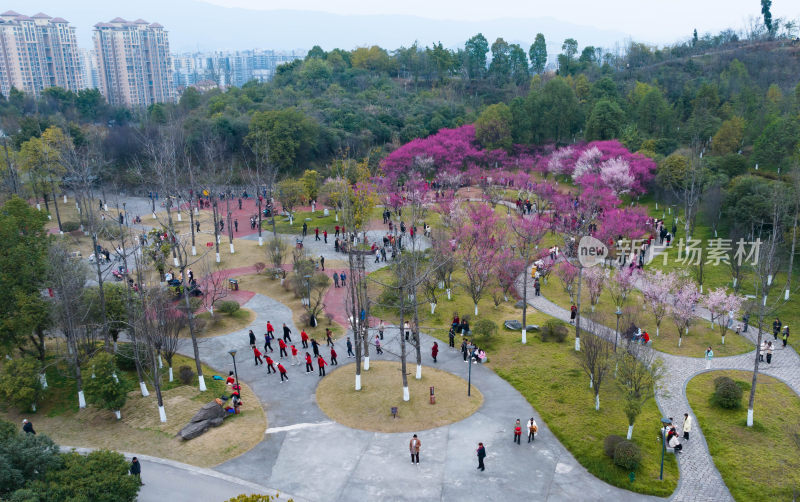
<point x="49" y="217"/>
<point x="179" y="217"/>
<point x="291" y="220"/>
<point x="175" y="261"/>
<point x="232" y="250"/>
<point x="734" y="282"/>
<point x="65" y="199"/>
<point x="194" y="250"/>
<point x="630" y="432"/>
<point x="154" y="216"/>
<point x="441" y="285"/>
<point x="656" y="330"/>
<point x="336" y="216"/>
<point x="406" y="396"/>
<point x="591" y="381"/>
<point x="358" y="382"/>
<point x="577" y="344"/>
<point x="723" y="339"/>
<point x="597" y="402"/>
<point x="701" y="289"/>
<point x="170" y="374"/>
<point x="43" y="380"/>
<point x="260" y="241"/>
<point x="160" y="364"/>
<point x="202" y="381"/>
<point x="433" y="308"/>
<point x="143" y="388"/>
<point x="196" y="211"/>
<point x="81" y="400"/>
<point x="419" y="372"/>
<point x="114" y="376"/>
<point x="680" y="339"/>
<point x="33" y="407"/>
<point x="218" y="258"/>
<point x="524" y="336"/>
<point x="786" y="295"/>
<point x="162" y="414"/>
<point x="118" y="414"/>
<point x="769" y="280"/>
<point x="476" y="309"/>
<point x="448" y="294"/>
<point x="749" y="417"/>
<point x="366" y="363"/>
<point x="38" y="207"/>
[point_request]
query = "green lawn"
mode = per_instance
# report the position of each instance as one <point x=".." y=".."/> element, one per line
<point x="760" y="462"/>
<point x="549" y="377"/>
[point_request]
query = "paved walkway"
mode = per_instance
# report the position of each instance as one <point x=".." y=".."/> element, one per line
<point x="699" y="478"/>
<point x="308" y="455"/>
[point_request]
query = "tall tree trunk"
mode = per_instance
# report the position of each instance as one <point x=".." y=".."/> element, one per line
<point x="578" y="313"/>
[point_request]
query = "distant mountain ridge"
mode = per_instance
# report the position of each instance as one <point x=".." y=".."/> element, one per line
<point x="196" y="25"/>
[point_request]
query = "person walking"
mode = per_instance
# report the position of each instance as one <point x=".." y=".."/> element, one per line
<point x="378" y="345"/>
<point x="537" y="288"/>
<point x="434" y="351"/>
<point x="270" y="329"/>
<point x="252" y="338"/>
<point x="776" y="327"/>
<point x="785" y="335"/>
<point x="333" y="357"/>
<point x="464" y="350"/>
<point x="321" y="365"/>
<point x="709" y="356"/>
<point x="309" y="365"/>
<point x="236" y="225"/>
<point x="349" y="348"/>
<point x="322" y="262"/>
<point x="413" y="447"/>
<point x="282" y="371"/>
<point x="316" y="235"/>
<point x="287" y="333"/>
<point x="315" y="347"/>
<point x="573" y="313"/>
<point x="282" y="348"/>
<point x="770" y="348"/>
<point x="481" y="455"/>
<point x="27" y="427"/>
<point x="343" y="278"/>
<point x="406" y="329"/>
<point x="270" y="365"/>
<point x="304" y="338"/>
<point x="762" y="349"/>
<point x="335" y="280"/>
<point x="325" y="236"/>
<point x="746" y="321"/>
<point x="295" y="360"/>
<point x="257" y="355"/>
<point x="532" y="430"/>
<point x="267" y="342"/>
<point x="517" y="431"/>
<point x="136" y="470"/>
<point x="687" y="426"/>
<point x="381" y="327"/>
<point x="329" y="337"/>
<point x="305" y="229"/>
<point x="451" y="336"/>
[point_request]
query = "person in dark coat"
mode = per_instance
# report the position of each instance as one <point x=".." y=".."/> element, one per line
<point x="136" y="469"/>
<point x="434" y="351"/>
<point x="481" y="455"/>
<point x="287" y="333"/>
<point x="315" y="347"/>
<point x="252" y="338"/>
<point x="27" y="426"/>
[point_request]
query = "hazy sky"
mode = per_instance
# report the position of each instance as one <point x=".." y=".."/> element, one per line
<point x="653" y="20"/>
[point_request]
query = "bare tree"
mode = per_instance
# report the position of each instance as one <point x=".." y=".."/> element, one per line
<point x="595" y="359"/>
<point x="639" y="374"/>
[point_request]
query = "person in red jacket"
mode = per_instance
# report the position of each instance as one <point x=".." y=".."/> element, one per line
<point x="257" y="354"/>
<point x="309" y="366"/>
<point x="282" y="346"/>
<point x="517" y="431"/>
<point x="270" y="362"/>
<point x="333" y="357"/>
<point x="230" y="380"/>
<point x="321" y="363"/>
<point x="270" y="329"/>
<point x="282" y="371"/>
<point x="295" y="360"/>
<point x="435" y="351"/>
<point x="304" y="339"/>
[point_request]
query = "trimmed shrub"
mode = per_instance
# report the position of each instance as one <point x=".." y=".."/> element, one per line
<point x="228" y="307"/>
<point x="554" y="330"/>
<point x="728" y="395"/>
<point x="627" y="455"/>
<point x="70" y="226"/>
<point x="125" y="358"/>
<point x="186" y="375"/>
<point x="610" y="444"/>
<point x="722" y="380"/>
<point x="485" y="328"/>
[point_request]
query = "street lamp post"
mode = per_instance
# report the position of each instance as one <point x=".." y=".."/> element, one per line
<point x="664" y="422"/>
<point x="236" y="373"/>
<point x="616" y="333"/>
<point x="469" y="377"/>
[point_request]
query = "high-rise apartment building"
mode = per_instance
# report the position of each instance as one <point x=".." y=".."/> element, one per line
<point x="229" y="68"/>
<point x="38" y="52"/>
<point x="91" y="76"/>
<point x="133" y="62"/>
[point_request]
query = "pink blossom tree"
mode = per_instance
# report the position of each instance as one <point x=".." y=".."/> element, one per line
<point x="567" y="273"/>
<point x="621" y="284"/>
<point x="588" y="162"/>
<point x="723" y="308"/>
<point x="616" y="175"/>
<point x="508" y="269"/>
<point x="478" y="236"/>
<point x="684" y="300"/>
<point x="595" y="280"/>
<point x="560" y="162"/>
<point x="656" y="288"/>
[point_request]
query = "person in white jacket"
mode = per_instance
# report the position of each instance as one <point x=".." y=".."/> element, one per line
<point x="687" y="426"/>
<point x="532" y="429"/>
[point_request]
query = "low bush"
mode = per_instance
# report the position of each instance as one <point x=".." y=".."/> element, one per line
<point x="186" y="375"/>
<point x="554" y="330"/>
<point x="610" y="444"/>
<point x="722" y="380"/>
<point x="125" y="357"/>
<point x="627" y="455"/>
<point x="228" y="307"/>
<point x="484" y="328"/>
<point x="727" y="395"/>
<point x="70" y="226"/>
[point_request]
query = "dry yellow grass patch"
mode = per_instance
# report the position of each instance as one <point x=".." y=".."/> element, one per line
<point x="222" y="324"/>
<point x="140" y="430"/>
<point x="370" y="408"/>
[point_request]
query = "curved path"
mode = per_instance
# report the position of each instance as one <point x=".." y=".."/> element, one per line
<point x="699" y="478"/>
<point x="306" y="454"/>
